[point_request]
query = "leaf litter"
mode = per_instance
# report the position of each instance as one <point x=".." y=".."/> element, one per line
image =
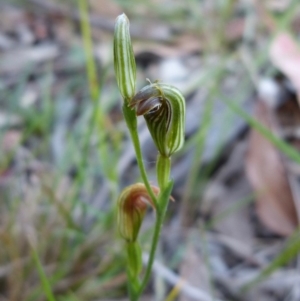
<point x="244" y="203"/>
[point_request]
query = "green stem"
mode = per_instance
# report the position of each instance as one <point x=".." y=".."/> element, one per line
<point x="132" y="293"/>
<point x="45" y="282"/>
<point x="88" y="49"/>
<point x="94" y="92"/>
<point x="163" y="168"/>
<point x="133" y="286"/>
<point x="131" y="122"/>
<point x="134" y="267"/>
<point x="163" y="174"/>
<point x="161" y="212"/>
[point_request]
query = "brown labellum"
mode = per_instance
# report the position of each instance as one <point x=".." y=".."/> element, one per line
<point x="148" y="106"/>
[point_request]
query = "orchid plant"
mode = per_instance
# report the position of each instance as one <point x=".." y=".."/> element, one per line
<point x="163" y="107"/>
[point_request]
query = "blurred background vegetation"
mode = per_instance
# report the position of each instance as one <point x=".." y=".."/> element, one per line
<point x="65" y="155"/>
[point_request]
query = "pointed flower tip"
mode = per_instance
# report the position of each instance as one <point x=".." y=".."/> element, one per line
<point x="122" y="18"/>
<point x="124" y="61"/>
<point x="132" y="206"/>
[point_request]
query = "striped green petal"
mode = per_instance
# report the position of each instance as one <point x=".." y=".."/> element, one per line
<point x="124" y="61"/>
<point x="163" y="107"/>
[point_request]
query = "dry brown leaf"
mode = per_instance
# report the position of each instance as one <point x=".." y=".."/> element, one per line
<point x="265" y="169"/>
<point x="285" y="55"/>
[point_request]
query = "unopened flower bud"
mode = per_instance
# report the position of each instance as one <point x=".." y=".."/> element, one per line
<point x="132" y="206"/>
<point x="163" y="107"/>
<point x="124" y="61"/>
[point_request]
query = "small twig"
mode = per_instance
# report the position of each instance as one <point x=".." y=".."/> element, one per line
<point x="174" y="279"/>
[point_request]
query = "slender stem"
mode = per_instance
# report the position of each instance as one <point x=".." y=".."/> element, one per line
<point x="163" y="167"/>
<point x="133" y="286"/>
<point x="92" y="83"/>
<point x="163" y="171"/>
<point x="131" y="122"/>
<point x="45" y="281"/>
<point x="94" y="91"/>
<point x="156" y="234"/>
<point x="161" y="212"/>
<point x="132" y="294"/>
<point x="88" y="49"/>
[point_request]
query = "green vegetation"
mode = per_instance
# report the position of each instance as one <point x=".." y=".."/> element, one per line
<point x="56" y="244"/>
